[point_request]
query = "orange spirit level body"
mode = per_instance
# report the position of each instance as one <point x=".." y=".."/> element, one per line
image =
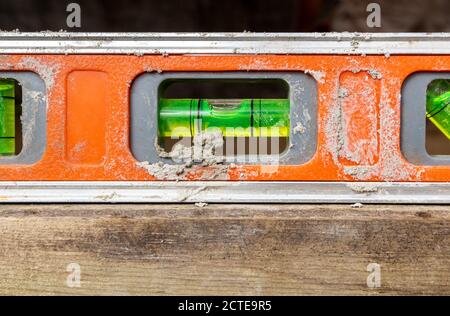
<point x="357" y="114"/>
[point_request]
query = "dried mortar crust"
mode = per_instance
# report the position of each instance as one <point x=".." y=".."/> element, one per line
<point x="319" y="76"/>
<point x="200" y="159"/>
<point x="391" y="166"/>
<point x="46" y="71"/>
<point x="363" y="187"/>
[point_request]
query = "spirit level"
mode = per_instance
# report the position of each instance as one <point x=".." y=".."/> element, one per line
<point x="297" y="117"/>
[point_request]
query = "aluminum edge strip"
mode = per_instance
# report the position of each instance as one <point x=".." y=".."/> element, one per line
<point x="225" y="192"/>
<point x="224" y="43"/>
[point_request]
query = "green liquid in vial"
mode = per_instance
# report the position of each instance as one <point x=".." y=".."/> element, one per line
<point x="234" y="118"/>
<point x="438" y="105"/>
<point x="7" y="117"/>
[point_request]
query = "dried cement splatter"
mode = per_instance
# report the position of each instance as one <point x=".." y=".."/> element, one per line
<point x="375" y="74"/>
<point x="107" y="197"/>
<point x="162" y="171"/>
<point x="318" y="75"/>
<point x="46" y="71"/>
<point x="36" y="96"/>
<point x="201" y="159"/>
<point x="299" y="128"/>
<point x="391" y="166"/>
<point x="334" y="126"/>
<point x="343" y="93"/>
<point x="363" y="187"/>
<point x="205" y="145"/>
<point x="361" y="172"/>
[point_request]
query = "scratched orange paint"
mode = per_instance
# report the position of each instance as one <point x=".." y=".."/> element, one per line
<point x="112" y="160"/>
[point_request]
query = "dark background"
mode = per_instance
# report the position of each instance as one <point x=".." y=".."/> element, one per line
<point x="225" y="15"/>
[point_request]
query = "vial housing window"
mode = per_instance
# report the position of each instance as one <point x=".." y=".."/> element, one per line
<point x="252" y="116"/>
<point x="10" y="117"/>
<point x="438" y="117"/>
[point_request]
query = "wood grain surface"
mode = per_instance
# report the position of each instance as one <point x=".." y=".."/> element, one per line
<point x="224" y="249"/>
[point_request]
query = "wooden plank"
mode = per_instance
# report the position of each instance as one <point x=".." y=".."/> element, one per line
<point x="224" y="249"/>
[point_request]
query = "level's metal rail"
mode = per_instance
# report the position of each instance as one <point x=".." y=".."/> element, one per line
<point x="224" y="192"/>
<point x="224" y="43"/>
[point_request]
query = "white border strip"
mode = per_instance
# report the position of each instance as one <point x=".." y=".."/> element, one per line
<point x="224" y="192"/>
<point x="224" y="43"/>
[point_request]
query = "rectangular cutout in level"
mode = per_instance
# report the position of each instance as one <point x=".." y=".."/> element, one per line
<point x="251" y="116"/>
<point x="229" y="104"/>
<point x="359" y="100"/>
<point x="425" y="118"/>
<point x="438" y="117"/>
<point x="86" y="117"/>
<point x="10" y="113"/>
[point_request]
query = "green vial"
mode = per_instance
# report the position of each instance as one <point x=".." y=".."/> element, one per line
<point x="234" y="118"/>
<point x="7" y="117"/>
<point x="438" y="105"/>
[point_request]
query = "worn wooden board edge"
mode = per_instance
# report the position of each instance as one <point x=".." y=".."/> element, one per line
<point x="175" y="249"/>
